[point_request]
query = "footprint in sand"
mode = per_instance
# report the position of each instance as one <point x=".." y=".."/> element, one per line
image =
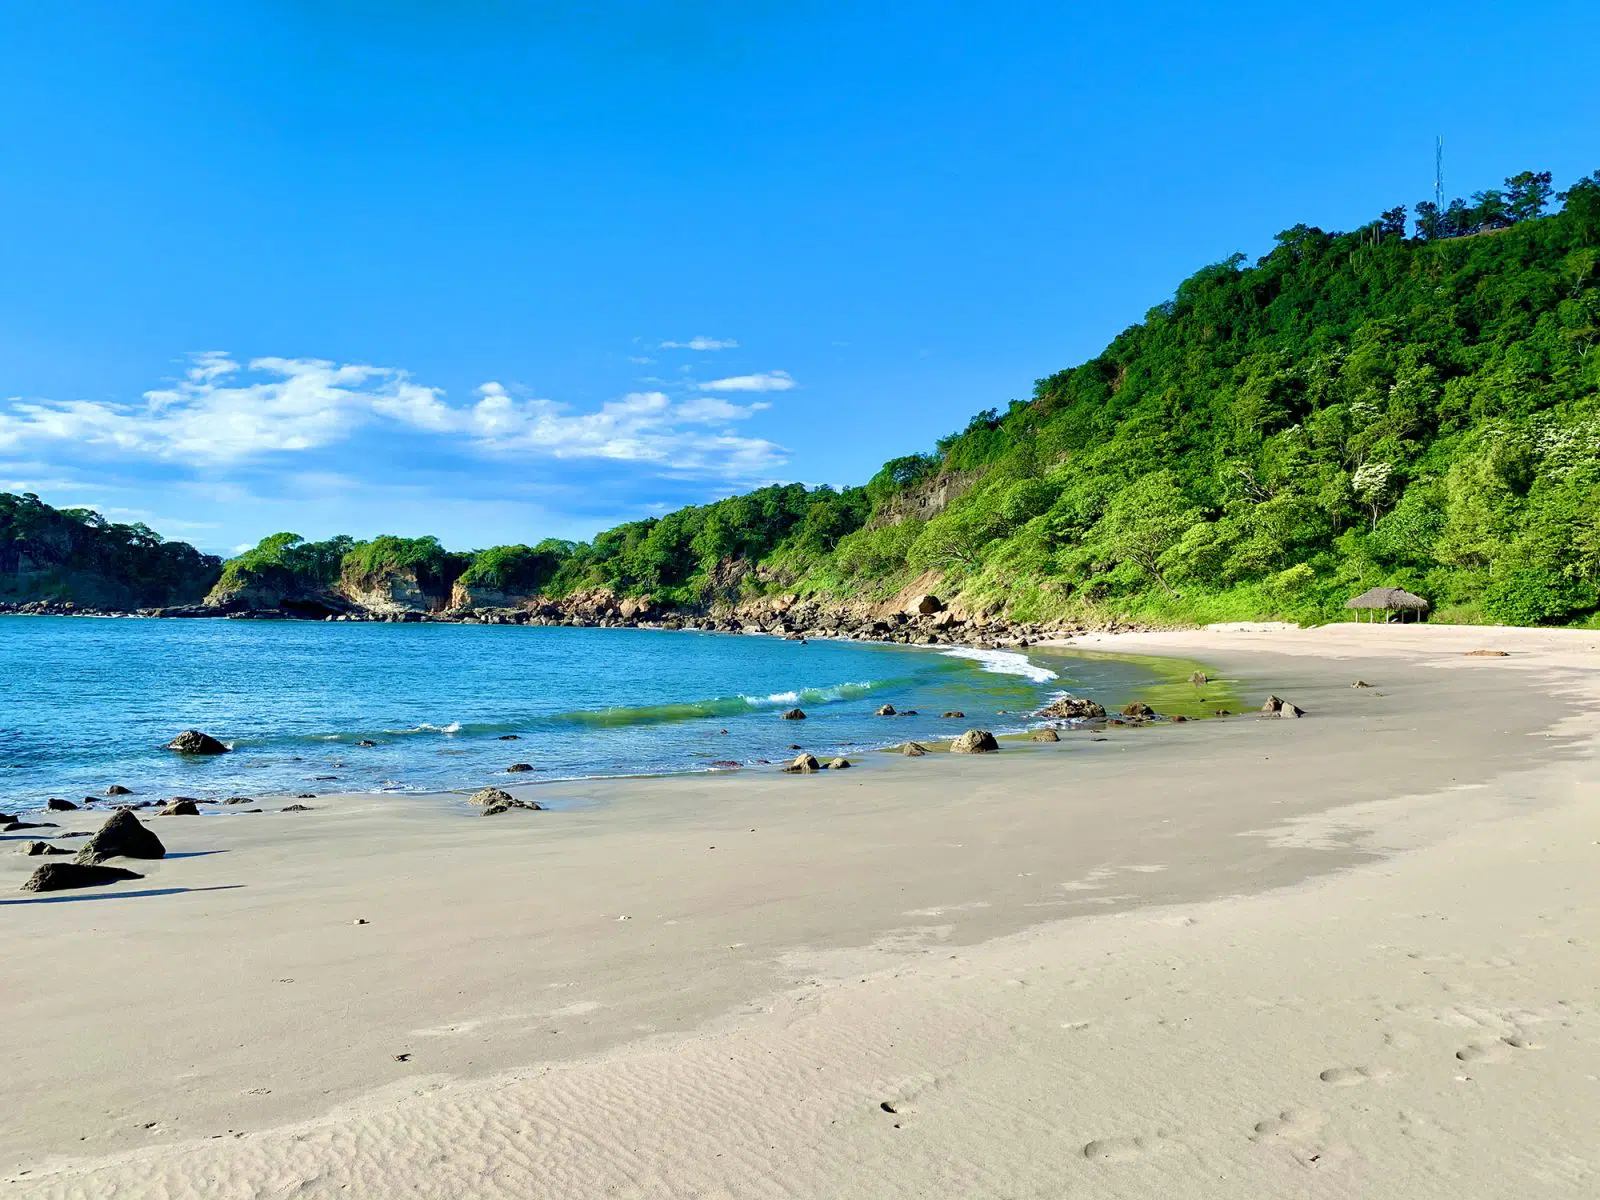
<point x="1496" y="1051"/>
<point x="1123" y="1149"/>
<point x="1291" y="1125"/>
<point x="1346" y="1076"/>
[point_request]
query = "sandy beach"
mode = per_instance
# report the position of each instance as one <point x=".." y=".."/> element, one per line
<point x="1346" y="956"/>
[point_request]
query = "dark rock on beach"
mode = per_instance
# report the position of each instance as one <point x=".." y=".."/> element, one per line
<point x="1138" y="708"/>
<point x="913" y="750"/>
<point x="180" y="807"/>
<point x="121" y="837"/>
<point x="839" y="764"/>
<point x="506" y="805"/>
<point x="35" y="849"/>
<point x="16" y="826"/>
<point x="56" y="804"/>
<point x="794" y="714"/>
<point x="297" y="808"/>
<point x="57" y="877"/>
<point x="975" y="741"/>
<point x="116" y="789"/>
<point x="239" y="800"/>
<point x="489" y="795"/>
<point x="805" y="764"/>
<point x="192" y="741"/>
<point x="1046" y="735"/>
<point x="519" y="767"/>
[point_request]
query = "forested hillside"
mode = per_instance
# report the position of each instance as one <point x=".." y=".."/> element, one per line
<point x="75" y="554"/>
<point x="1418" y="408"/>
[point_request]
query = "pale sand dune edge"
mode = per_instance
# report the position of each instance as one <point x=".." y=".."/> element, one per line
<point x="1426" y="1023"/>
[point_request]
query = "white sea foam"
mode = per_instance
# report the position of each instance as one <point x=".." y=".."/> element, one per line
<point x="1004" y="662"/>
<point x="837" y="691"/>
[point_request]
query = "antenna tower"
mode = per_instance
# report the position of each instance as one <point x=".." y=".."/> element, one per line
<point x="1438" y="173"/>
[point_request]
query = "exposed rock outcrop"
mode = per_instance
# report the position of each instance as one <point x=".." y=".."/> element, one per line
<point x="1072" y="708"/>
<point x="975" y="741"/>
<point x="121" y="837"/>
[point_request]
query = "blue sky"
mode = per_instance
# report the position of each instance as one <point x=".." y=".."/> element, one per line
<point x="499" y="271"/>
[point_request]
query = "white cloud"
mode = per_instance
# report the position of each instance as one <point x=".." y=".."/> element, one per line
<point x="639" y="427"/>
<point x="701" y="342"/>
<point x="220" y="412"/>
<point x="765" y="381"/>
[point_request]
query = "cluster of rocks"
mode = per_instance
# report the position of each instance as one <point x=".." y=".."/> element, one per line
<point x="122" y="836"/>
<point x="494" y="801"/>
<point x="1275" y="707"/>
<point x="58" y="608"/>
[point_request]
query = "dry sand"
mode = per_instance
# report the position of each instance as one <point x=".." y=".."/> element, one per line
<point x="1348" y="956"/>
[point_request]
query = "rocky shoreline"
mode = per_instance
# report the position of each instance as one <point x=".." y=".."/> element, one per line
<point x="918" y="620"/>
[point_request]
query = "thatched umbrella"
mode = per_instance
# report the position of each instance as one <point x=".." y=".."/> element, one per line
<point x="1387" y="600"/>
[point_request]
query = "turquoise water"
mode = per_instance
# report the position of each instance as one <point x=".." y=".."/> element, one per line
<point x="87" y="703"/>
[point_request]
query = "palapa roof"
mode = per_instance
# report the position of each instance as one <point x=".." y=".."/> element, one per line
<point x="1387" y="597"/>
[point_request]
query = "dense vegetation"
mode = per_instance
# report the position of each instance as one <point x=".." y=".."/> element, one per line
<point x="1352" y="409"/>
<point x="76" y="554"/>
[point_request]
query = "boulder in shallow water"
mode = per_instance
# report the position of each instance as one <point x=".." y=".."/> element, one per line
<point x="1046" y="735"/>
<point x="116" y="789"/>
<point x="192" y="741"/>
<point x="1199" y="679"/>
<point x="1071" y="708"/>
<point x="1139" y="709"/>
<point x="794" y="714"/>
<point x="975" y="741"/>
<point x="239" y="800"/>
<point x="886" y="710"/>
<point x="839" y="764"/>
<point x="366" y="743"/>
<point x="57" y="877"/>
<point x="35" y="849"/>
<point x="56" y="804"/>
<point x="517" y="768"/>
<point x="121" y="837"/>
<point x="913" y="750"/>
<point x="954" y="716"/>
<point x="180" y="806"/>
<point x="804" y="764"/>
<point x="489" y="795"/>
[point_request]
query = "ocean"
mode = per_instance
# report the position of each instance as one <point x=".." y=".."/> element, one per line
<point x="86" y="703"/>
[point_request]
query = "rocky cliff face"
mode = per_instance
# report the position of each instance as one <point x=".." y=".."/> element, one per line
<point x="925" y="500"/>
<point x="391" y="594"/>
<point x="279" y="590"/>
<point x="395" y="593"/>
